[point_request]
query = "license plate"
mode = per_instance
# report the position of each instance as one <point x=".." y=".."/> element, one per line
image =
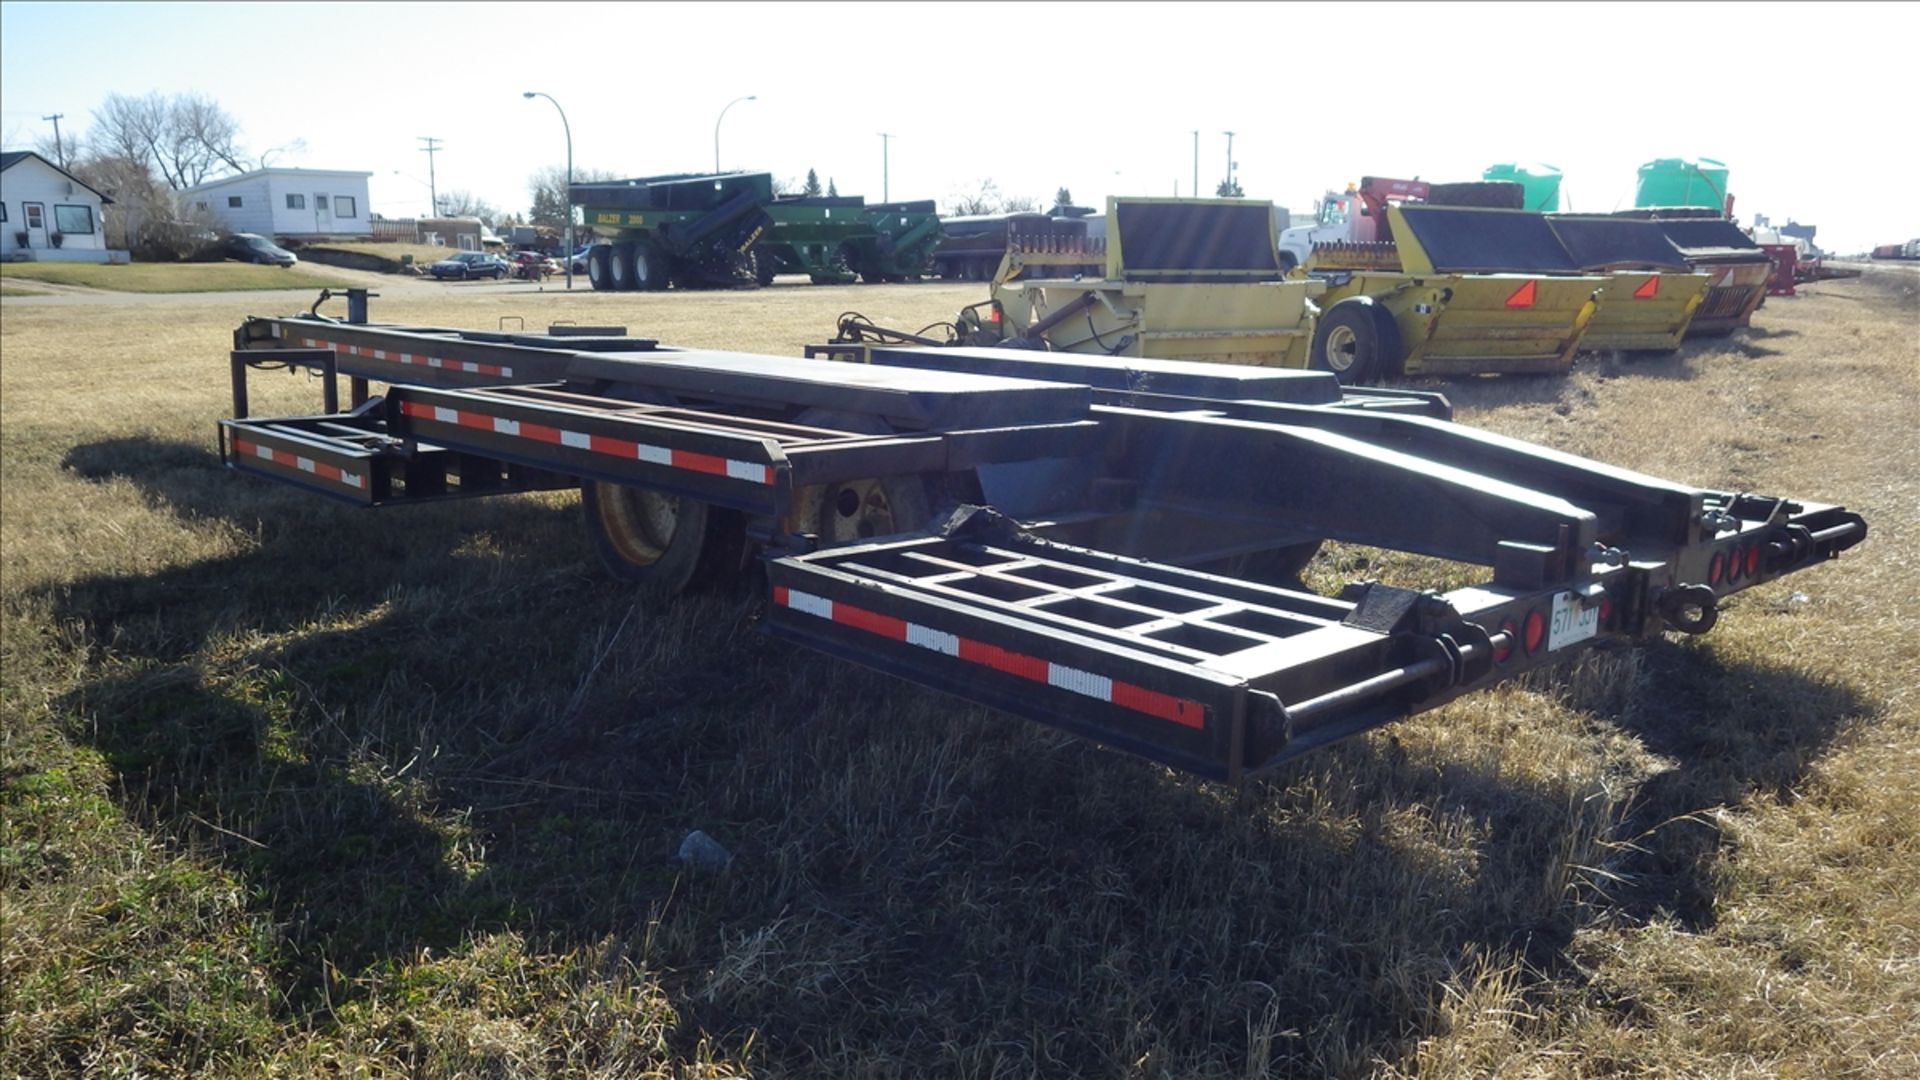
<point x="1573" y="621"/>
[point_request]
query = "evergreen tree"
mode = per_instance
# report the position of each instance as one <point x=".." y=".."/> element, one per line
<point x="813" y="184"/>
<point x="832" y="192"/>
<point x="1229" y="189"/>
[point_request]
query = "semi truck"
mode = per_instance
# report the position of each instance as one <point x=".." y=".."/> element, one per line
<point x="1033" y="531"/>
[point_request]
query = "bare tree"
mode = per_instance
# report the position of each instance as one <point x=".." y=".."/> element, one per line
<point x="983" y="200"/>
<point x="548" y="187"/>
<point x="186" y="138"/>
<point x="460" y="203"/>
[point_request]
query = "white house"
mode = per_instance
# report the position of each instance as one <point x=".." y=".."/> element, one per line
<point x="47" y="214"/>
<point x="286" y="202"/>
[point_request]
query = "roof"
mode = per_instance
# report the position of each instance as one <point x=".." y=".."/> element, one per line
<point x="276" y="172"/>
<point x="14" y="157"/>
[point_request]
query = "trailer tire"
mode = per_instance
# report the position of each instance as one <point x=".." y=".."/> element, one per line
<point x="662" y="544"/>
<point x="647" y="267"/>
<point x="1347" y="342"/>
<point x="765" y="265"/>
<point x="600" y="268"/>
<point x="620" y="268"/>
<point x="857" y="510"/>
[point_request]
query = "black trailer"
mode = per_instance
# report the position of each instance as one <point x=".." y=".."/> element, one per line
<point x="1042" y="532"/>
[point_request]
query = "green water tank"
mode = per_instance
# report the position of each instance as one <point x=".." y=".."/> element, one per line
<point x="1682" y="182"/>
<point x="1539" y="183"/>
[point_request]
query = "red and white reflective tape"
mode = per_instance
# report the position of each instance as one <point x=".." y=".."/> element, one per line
<point x="296" y="461"/>
<point x="464" y="366"/>
<point x="1126" y="695"/>
<point x="711" y="464"/>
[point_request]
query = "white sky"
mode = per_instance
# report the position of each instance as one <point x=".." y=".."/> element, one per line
<point x="1812" y="106"/>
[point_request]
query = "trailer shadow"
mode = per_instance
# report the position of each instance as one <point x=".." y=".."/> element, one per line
<point x="407" y="732"/>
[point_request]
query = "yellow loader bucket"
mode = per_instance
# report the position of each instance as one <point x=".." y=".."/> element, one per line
<point x="1642" y="311"/>
<point x="1505" y="323"/>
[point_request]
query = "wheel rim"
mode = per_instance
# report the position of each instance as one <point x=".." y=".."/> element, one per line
<point x="859" y="510"/>
<point x="642" y="270"/>
<point x="638" y="524"/>
<point x="1343" y="348"/>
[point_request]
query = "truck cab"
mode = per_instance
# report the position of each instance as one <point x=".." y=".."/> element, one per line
<point x="1350" y="216"/>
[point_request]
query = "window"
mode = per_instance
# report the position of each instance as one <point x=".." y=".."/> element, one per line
<point x="233" y="201"/>
<point x="296" y="202"/>
<point x="343" y="206"/>
<point x="73" y="219"/>
<point x="36" y="215"/>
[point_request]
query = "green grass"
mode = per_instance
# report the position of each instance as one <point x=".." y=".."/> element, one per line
<point x="292" y="788"/>
<point x="170" y="277"/>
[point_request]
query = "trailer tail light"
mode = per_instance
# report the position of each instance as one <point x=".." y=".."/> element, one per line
<point x="1536" y="631"/>
<point x="1524" y="295"/>
<point x="1733" y="566"/>
<point x="1645" y="292"/>
<point x="1503" y="653"/>
<point x="1606" y="611"/>
<point x="1717" y="569"/>
<point x="1753" y="560"/>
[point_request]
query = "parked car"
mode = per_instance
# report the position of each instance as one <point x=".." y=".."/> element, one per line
<point x="580" y="259"/>
<point x="534" y="266"/>
<point x="470" y="264"/>
<point x="253" y="248"/>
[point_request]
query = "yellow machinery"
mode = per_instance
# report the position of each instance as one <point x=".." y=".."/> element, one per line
<point x="1449" y="290"/>
<point x="1185" y="279"/>
<point x="1651" y="293"/>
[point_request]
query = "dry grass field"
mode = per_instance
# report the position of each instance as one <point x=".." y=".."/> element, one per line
<point x="295" y="789"/>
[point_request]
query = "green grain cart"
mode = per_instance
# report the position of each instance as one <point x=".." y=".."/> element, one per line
<point x="691" y="230"/>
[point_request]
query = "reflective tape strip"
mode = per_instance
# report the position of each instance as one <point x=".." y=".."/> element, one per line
<point x="295" y="461"/>
<point x="688" y="460"/>
<point x="1175" y="710"/>
<point x="411" y="359"/>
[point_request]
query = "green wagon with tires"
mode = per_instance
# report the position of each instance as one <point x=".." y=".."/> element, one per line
<point x="691" y="230"/>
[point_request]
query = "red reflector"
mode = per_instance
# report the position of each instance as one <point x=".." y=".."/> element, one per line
<point x="1645" y="292"/>
<point x="1502" y="653"/>
<point x="1717" y="570"/>
<point x="994" y="315"/>
<point x="1523" y="296"/>
<point x="1536" y="631"/>
<point x="1753" y="560"/>
<point x="1733" y="565"/>
<point x="1606" y="610"/>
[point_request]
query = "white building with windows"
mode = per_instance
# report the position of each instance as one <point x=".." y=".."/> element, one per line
<point x="47" y="214"/>
<point x="299" y="203"/>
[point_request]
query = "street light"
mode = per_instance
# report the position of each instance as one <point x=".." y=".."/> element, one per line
<point x="568" y="128"/>
<point x="716" y="128"/>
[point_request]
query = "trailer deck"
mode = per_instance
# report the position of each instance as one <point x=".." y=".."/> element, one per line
<point x="1043" y="533"/>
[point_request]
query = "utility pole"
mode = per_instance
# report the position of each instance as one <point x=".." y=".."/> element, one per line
<point x="885" y="195"/>
<point x="59" y="151"/>
<point x="1229" y="190"/>
<point x="433" y="191"/>
<point x="1196" y="164"/>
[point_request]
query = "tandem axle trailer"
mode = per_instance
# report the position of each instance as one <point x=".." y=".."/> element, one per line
<point x="1044" y="533"/>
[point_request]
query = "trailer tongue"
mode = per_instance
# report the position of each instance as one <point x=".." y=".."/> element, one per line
<point x="1031" y="530"/>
